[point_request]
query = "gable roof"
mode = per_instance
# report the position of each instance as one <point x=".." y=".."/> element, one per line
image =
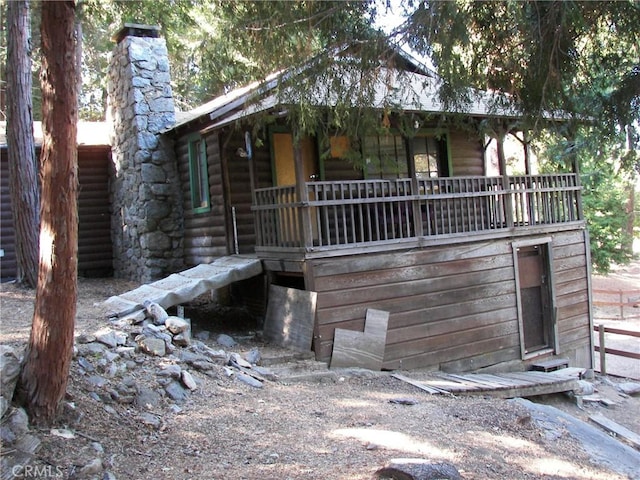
<point x="409" y="86"/>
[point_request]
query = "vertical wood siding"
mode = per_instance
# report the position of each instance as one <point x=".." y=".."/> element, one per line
<point x="466" y="154"/>
<point x="451" y="307"/>
<point x="95" y="257"/>
<point x="205" y="234"/>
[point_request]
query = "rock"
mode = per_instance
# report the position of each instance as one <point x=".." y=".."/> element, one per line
<point x="584" y="388"/>
<point x="84" y="338"/>
<point x="152" y="345"/>
<point x="108" y="476"/>
<point x="170" y="371"/>
<point x="189" y="357"/>
<point x="253" y="356"/>
<point x="151" y="420"/>
<point x="417" y="469"/>
<point x="249" y="380"/>
<point x="147" y="398"/>
<point x="175" y="392"/>
<point x="92" y="349"/>
<point x="10" y="361"/>
<point x="111" y="338"/>
<point x="203" y="335"/>
<point x="226" y="341"/>
<point x="94" y="467"/>
<point x="97" y="381"/>
<point x="156" y="312"/>
<point x="7" y="436"/>
<point x="204" y="365"/>
<point x="19" y="422"/>
<point x="86" y="365"/>
<point x="188" y="380"/>
<point x="132" y="319"/>
<point x="629" y="388"/>
<point x="265" y="372"/>
<point x="182" y="339"/>
<point x="236" y="360"/>
<point x="177" y="325"/>
<point x="4" y="406"/>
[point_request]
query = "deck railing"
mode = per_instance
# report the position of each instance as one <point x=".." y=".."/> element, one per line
<point x="361" y="212"/>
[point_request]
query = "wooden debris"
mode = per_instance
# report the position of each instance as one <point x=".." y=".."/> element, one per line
<point x="290" y="317"/>
<point x="362" y="349"/>
<point x="617" y="429"/>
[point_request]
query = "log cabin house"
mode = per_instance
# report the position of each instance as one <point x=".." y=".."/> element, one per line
<point x="475" y="270"/>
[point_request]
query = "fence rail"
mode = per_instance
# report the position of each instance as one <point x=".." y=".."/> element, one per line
<point x="602" y="348"/>
<point x="625" y="301"/>
<point x="358" y="212"/>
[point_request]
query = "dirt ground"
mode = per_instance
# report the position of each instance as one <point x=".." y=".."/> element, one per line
<point x="342" y="425"/>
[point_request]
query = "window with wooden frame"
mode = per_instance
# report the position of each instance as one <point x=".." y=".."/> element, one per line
<point x="430" y="156"/>
<point x="385" y="157"/>
<point x="198" y="175"/>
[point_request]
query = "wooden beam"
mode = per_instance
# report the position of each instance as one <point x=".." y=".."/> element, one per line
<point x="620" y="431"/>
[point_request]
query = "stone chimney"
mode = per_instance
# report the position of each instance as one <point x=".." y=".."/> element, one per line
<point x="147" y="219"/>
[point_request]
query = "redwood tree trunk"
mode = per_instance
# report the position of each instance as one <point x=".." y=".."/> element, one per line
<point x="45" y="374"/>
<point x="23" y="177"/>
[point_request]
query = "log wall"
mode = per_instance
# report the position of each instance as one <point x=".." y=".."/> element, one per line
<point x="95" y="251"/>
<point x="452" y="308"/>
<point x="204" y="233"/>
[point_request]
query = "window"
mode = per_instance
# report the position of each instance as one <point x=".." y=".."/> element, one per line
<point x="385" y="157"/>
<point x="430" y="157"/>
<point x="198" y="175"/>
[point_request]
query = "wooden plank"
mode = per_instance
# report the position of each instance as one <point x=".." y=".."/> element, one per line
<point x="362" y="349"/>
<point x="613" y="427"/>
<point x="532" y="389"/>
<point x="418" y="384"/>
<point x="290" y="317"/>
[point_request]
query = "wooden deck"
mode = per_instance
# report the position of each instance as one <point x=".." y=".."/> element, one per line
<point x="501" y="385"/>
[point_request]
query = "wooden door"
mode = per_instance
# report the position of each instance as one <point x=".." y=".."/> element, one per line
<point x="535" y="298"/>
<point x="284" y="161"/>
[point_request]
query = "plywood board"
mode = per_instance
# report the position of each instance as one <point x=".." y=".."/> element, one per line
<point x="290" y="317"/>
<point x="362" y="349"/>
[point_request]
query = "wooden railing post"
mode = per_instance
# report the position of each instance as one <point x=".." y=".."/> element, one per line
<point x="602" y="348"/>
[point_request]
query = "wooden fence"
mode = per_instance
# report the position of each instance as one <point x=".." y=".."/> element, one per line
<point x="616" y="304"/>
<point x="603" y="350"/>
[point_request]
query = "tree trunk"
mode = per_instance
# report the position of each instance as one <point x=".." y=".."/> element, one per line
<point x="46" y="370"/>
<point x="23" y="177"/>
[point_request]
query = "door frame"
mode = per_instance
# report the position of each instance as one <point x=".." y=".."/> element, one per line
<point x="546" y="245"/>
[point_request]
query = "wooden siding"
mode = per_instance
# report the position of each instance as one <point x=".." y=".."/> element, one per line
<point x="467" y="157"/>
<point x="451" y="307"/>
<point x="95" y="252"/>
<point x="205" y="236"/>
<point x="8" y="263"/>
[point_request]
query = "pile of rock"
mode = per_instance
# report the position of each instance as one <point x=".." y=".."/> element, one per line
<point x="18" y="443"/>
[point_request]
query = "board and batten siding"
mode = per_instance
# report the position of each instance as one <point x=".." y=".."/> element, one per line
<point x="452" y="308"/>
<point x="204" y="233"/>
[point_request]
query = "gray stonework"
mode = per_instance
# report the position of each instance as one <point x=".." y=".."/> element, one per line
<point x="147" y="217"/>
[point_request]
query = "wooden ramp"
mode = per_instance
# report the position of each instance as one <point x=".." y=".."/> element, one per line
<point x="502" y="385"/>
<point x="185" y="286"/>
